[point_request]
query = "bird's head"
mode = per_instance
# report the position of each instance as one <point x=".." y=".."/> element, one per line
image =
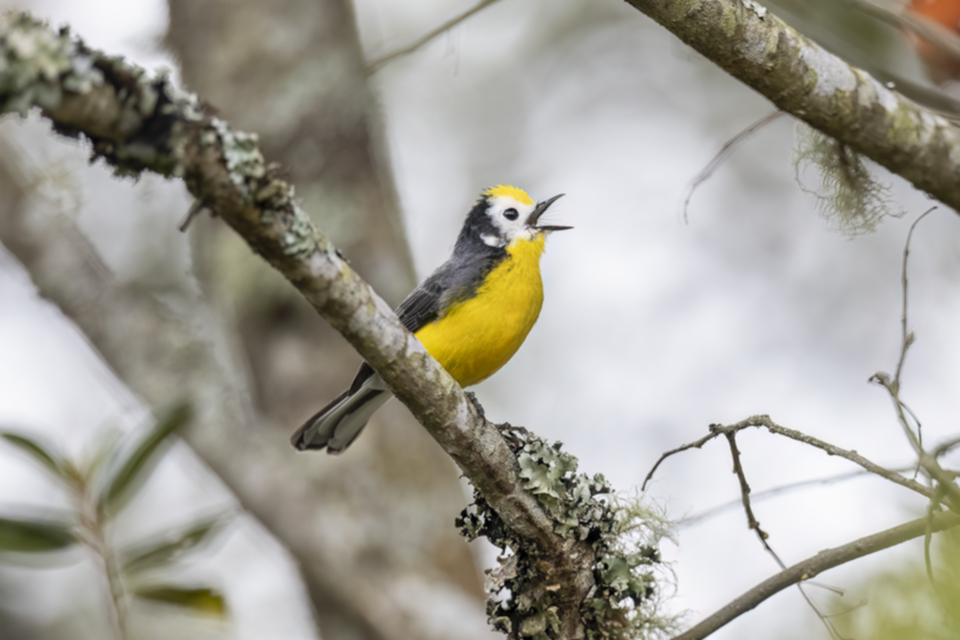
<point x="504" y="215"/>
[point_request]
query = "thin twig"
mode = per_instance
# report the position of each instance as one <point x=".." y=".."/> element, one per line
<point x="927" y="538"/>
<point x="770" y="425"/>
<point x="752" y="522"/>
<point x="763" y="536"/>
<point x="945" y="447"/>
<point x="906" y="336"/>
<point x="379" y="63"/>
<point x="929" y="463"/>
<point x="192" y="213"/>
<point x="728" y="147"/>
<point x="806" y="569"/>
<point x="692" y="445"/>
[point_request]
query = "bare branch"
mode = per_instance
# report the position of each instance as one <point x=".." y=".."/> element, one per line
<point x="811" y="567"/>
<point x="772" y="427"/>
<point x="946" y="485"/>
<point x="906" y="338"/>
<point x="945" y="447"/>
<point x="762" y="535"/>
<point x="805" y="80"/>
<point x="728" y="147"/>
<point x="381" y="62"/>
<point x="696" y="444"/>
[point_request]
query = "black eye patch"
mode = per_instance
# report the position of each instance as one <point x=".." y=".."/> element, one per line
<point x="511" y="214"/>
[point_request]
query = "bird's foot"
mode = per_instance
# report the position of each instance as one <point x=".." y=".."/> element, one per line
<point x="516" y="437"/>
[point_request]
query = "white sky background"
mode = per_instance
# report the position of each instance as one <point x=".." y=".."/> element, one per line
<point x="651" y="329"/>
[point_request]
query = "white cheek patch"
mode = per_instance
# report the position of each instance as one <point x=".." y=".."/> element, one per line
<point x="510" y="230"/>
<point x="491" y="241"/>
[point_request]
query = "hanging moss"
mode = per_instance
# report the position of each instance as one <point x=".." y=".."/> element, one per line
<point x="848" y="195"/>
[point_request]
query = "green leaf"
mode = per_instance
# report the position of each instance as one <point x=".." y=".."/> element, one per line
<point x="131" y="474"/>
<point x="171" y="546"/>
<point x="35" y="450"/>
<point x="29" y="536"/>
<point x="202" y="600"/>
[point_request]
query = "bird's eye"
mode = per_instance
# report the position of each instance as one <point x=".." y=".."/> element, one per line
<point x="511" y="214"/>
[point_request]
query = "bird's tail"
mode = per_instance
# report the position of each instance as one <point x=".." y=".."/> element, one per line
<point x="339" y="423"/>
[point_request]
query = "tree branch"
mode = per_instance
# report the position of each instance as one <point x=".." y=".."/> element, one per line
<point x="137" y="124"/>
<point x="817" y="564"/>
<point x="833" y="450"/>
<point x="802" y="78"/>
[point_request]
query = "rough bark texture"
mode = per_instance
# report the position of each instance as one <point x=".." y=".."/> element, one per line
<point x="800" y="77"/>
<point x="139" y="124"/>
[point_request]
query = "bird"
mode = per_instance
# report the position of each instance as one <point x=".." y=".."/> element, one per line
<point x="471" y="314"/>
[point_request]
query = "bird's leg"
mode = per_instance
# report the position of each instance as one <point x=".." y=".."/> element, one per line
<point x="516" y="437"/>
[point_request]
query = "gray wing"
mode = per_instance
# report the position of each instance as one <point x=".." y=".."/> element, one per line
<point x="454" y="280"/>
<point x="422" y="306"/>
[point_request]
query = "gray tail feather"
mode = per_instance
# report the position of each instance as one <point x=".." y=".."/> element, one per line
<point x="339" y="423"/>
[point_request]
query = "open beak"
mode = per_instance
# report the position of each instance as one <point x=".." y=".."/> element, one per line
<point x="539" y="211"/>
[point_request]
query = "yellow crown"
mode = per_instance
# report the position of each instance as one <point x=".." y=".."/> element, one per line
<point x="511" y="192"/>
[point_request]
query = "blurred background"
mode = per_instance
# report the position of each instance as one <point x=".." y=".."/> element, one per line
<point x="654" y="326"/>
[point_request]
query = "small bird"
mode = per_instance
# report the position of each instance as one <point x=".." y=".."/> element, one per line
<point x="471" y="314"/>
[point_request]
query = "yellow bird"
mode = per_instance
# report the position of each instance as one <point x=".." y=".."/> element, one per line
<point x="471" y="314"/>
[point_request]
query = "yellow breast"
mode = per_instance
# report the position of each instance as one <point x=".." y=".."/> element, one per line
<point x="476" y="337"/>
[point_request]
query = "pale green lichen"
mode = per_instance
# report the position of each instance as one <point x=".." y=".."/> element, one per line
<point x="903" y="130"/>
<point x="623" y="534"/>
<point x="241" y="156"/>
<point x="149" y="124"/>
<point x="729" y="21"/>
<point x="36" y="65"/>
<point x="848" y="195"/>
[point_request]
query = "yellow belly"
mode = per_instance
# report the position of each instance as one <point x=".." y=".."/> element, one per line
<point x="476" y="337"/>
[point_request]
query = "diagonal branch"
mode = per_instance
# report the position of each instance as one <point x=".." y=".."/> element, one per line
<point x="140" y="124"/>
<point x="811" y="567"/>
<point x="805" y="80"/>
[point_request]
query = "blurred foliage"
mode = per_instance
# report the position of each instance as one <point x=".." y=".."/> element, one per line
<point x="907" y="605"/>
<point x="101" y="487"/>
<point x="848" y="195"/>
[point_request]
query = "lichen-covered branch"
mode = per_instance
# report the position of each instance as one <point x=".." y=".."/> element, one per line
<point x="140" y="124"/>
<point x="805" y="80"/>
